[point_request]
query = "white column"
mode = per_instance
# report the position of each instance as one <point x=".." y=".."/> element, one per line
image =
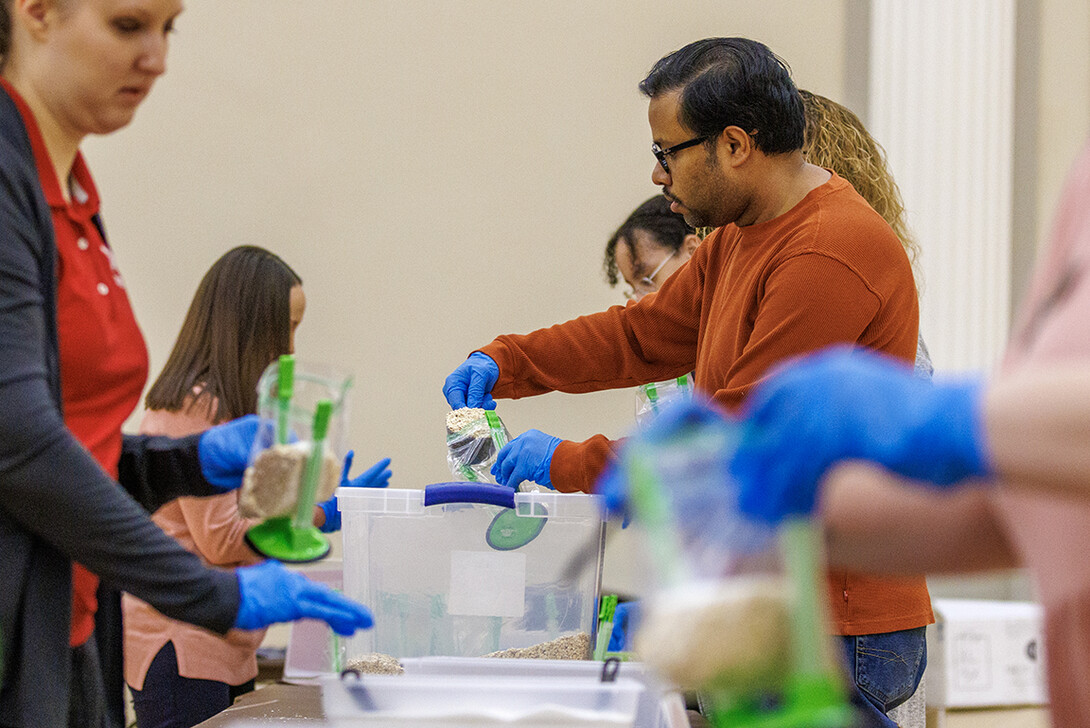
<point x="941" y="103"/>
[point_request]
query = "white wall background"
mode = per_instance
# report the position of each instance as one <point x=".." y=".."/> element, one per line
<point x="942" y="87"/>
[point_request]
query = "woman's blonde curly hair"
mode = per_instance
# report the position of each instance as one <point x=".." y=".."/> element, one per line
<point x="836" y="139"/>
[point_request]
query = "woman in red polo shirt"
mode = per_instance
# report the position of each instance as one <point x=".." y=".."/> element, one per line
<point x="69" y="344"/>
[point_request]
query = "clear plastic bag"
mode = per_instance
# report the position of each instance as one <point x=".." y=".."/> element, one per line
<point x="474" y="439"/>
<point x="736" y="607"/>
<point x="650" y="398"/>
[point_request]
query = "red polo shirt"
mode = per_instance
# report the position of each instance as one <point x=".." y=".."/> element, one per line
<point x="103" y="358"/>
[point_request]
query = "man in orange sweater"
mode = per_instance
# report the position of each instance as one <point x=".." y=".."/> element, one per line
<point x="799" y="261"/>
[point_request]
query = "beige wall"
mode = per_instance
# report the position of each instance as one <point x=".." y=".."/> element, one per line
<point x="1064" y="96"/>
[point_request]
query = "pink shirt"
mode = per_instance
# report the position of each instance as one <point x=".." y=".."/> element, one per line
<point x="1053" y="532"/>
<point x="212" y="529"/>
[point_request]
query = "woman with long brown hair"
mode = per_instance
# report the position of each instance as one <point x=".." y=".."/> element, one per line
<point x="243" y="316"/>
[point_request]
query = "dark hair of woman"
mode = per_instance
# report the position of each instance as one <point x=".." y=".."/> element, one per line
<point x="667" y="228"/>
<point x="238" y="323"/>
<point x="5" y="31"/>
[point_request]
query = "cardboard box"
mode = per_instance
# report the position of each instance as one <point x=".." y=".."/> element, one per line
<point x="988" y="718"/>
<point x="985" y="654"/>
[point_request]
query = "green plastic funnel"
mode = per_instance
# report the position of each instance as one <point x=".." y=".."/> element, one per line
<point x="296" y="539"/>
<point x="813" y="694"/>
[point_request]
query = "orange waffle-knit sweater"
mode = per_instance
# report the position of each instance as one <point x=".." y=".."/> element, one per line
<point x="828" y="271"/>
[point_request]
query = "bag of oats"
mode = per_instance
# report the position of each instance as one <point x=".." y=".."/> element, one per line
<point x="474" y="439"/>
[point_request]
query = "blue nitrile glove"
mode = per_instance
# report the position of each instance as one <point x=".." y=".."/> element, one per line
<point x="673" y="419"/>
<point x="269" y="593"/>
<point x="625" y="618"/>
<point x="377" y="476"/>
<point x="470" y="385"/>
<point x="612" y="487"/>
<point x="844" y="404"/>
<point x="527" y="457"/>
<point x="224" y="451"/>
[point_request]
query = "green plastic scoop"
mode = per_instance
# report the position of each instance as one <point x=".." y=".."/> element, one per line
<point x="652" y="510"/>
<point x="606" y="610"/>
<point x="295" y="539"/>
<point x="813" y="694"/>
<point x="285" y="388"/>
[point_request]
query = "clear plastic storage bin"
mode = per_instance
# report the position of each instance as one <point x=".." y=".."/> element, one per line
<point x="473" y="701"/>
<point x="651" y="709"/>
<point x="440" y="580"/>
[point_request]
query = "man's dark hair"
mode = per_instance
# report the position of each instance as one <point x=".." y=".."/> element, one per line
<point x="732" y="82"/>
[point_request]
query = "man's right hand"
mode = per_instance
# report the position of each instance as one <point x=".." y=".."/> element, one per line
<point x="269" y="593"/>
<point x="470" y="385"/>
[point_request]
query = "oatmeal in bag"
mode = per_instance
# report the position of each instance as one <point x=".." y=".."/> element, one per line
<point x="474" y="439"/>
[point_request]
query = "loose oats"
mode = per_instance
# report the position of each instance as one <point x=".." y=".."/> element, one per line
<point x="375" y="663"/>
<point x="569" y="647"/>
<point x="270" y="487"/>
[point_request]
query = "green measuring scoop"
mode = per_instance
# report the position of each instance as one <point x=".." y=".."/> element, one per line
<point x="813" y="694"/>
<point x="294" y="538"/>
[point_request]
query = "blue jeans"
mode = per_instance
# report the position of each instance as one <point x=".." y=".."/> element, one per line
<point x="885" y="670"/>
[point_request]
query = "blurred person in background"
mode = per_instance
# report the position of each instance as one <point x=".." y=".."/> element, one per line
<point x="242" y="318"/>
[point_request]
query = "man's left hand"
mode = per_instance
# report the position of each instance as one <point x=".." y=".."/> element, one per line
<point x="528" y="457"/>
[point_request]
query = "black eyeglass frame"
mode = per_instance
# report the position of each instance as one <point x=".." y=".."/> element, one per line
<point x="661" y="154"/>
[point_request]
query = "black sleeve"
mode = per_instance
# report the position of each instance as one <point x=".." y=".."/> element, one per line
<point x="156" y="470"/>
<point x="49" y="484"/>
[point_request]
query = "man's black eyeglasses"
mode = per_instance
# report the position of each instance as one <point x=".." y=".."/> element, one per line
<point x="661" y="154"/>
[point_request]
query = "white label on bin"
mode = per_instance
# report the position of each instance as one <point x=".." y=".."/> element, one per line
<point x="487" y="584"/>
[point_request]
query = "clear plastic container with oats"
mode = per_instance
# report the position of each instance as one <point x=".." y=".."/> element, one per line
<point x="296" y="458"/>
<point x="425" y="561"/>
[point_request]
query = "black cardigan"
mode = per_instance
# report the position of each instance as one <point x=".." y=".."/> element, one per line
<point x="56" y="503"/>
